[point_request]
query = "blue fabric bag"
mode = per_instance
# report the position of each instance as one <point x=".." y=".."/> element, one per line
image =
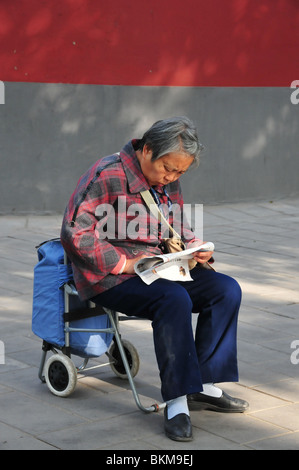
<point x="50" y="275"/>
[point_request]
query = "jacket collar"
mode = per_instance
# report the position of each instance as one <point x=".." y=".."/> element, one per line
<point x="132" y="169"/>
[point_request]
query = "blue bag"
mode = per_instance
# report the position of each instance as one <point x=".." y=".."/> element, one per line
<point x="50" y="275"/>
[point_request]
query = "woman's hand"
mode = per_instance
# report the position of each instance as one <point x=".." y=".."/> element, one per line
<point x="202" y="256"/>
<point x="129" y="266"/>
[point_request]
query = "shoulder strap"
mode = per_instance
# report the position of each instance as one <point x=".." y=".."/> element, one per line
<point x="150" y="202"/>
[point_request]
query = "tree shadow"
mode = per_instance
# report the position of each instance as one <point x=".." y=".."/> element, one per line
<point x="213" y="43"/>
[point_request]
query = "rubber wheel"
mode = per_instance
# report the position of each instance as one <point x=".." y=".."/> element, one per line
<point x="60" y="375"/>
<point x="132" y="358"/>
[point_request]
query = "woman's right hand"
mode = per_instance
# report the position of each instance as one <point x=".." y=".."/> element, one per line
<point x="129" y="266"/>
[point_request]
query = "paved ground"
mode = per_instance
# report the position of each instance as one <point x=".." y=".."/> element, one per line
<point x="257" y="244"/>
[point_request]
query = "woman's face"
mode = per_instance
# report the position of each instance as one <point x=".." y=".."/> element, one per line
<point x="164" y="170"/>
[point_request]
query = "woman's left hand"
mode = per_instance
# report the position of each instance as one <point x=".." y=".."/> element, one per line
<point x="202" y="256"/>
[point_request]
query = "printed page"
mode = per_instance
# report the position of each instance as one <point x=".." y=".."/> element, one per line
<point x="171" y="266"/>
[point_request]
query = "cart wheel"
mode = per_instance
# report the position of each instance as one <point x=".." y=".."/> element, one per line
<point x="132" y="358"/>
<point x="60" y="375"/>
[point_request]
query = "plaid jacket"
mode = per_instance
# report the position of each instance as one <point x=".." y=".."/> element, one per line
<point x="112" y="184"/>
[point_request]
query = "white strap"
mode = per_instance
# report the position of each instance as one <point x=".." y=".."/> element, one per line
<point x="150" y="202"/>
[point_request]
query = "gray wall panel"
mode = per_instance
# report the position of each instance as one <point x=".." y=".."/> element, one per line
<point x="51" y="133"/>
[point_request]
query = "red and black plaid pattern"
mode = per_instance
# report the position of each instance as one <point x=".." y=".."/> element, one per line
<point x="113" y="183"/>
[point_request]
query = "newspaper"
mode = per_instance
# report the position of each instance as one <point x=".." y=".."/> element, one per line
<point x="171" y="266"/>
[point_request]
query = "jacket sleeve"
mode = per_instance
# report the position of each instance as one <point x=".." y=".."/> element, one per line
<point x="93" y="257"/>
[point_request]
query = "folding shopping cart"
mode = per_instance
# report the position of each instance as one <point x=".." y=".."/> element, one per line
<point x="69" y="327"/>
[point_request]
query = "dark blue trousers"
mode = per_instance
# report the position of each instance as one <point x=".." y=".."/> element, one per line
<point x="186" y="359"/>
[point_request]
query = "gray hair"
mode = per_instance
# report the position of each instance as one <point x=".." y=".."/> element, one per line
<point x="173" y="135"/>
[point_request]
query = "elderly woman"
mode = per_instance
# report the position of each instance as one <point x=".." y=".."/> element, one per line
<point x="96" y="234"/>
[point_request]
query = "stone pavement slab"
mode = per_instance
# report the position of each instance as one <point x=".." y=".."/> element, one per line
<point x="257" y="243"/>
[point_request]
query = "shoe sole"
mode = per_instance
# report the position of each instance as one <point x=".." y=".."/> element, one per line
<point x="179" y="439"/>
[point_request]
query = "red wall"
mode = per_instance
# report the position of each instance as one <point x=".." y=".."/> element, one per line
<point x="150" y="42"/>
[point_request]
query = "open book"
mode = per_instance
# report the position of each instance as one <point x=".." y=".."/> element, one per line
<point x="171" y="266"/>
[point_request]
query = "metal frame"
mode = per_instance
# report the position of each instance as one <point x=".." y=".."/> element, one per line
<point x="114" y="321"/>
